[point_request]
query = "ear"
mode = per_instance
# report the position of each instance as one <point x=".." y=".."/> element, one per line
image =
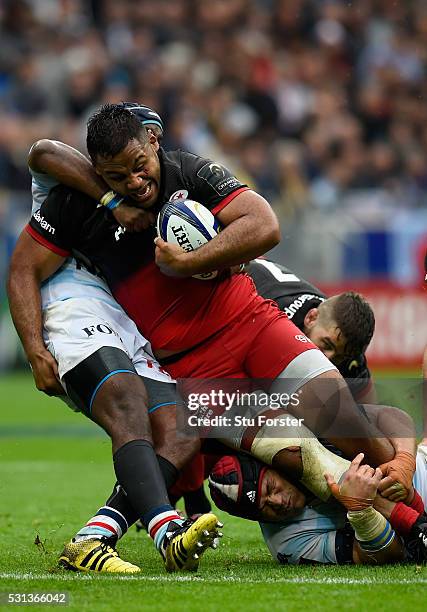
<point x="152" y="139"/>
<point x="311" y="318"/>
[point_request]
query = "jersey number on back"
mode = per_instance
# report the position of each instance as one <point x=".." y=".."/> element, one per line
<point x="282" y="277"/>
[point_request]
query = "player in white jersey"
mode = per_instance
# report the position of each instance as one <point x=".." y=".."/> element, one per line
<point x="74" y="281"/>
<point x="261" y="443"/>
<point x="321" y="532"/>
<point x="299" y="528"/>
<point x="93" y="351"/>
<point x="80" y="317"/>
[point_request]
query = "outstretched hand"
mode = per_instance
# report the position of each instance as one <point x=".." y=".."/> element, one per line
<point x="358" y="487"/>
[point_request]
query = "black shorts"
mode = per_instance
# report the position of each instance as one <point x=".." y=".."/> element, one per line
<point x="84" y="381"/>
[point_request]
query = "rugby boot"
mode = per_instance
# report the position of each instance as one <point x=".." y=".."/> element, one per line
<point x="95" y="555"/>
<point x="416" y="541"/>
<point x="185" y="544"/>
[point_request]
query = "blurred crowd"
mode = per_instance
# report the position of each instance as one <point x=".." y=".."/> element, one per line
<point x="305" y="99"/>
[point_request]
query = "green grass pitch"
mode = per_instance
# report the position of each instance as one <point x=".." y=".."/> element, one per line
<point x="55" y="469"/>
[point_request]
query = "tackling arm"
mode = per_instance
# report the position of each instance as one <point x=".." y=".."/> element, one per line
<point x="313" y="535"/>
<point x="30" y="265"/>
<point x="375" y="541"/>
<point x="70" y="167"/>
<point x="250" y="229"/>
<point x="398" y="427"/>
<point x="67" y="165"/>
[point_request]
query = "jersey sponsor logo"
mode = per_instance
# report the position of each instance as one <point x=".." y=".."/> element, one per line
<point x="219" y="178"/>
<point x="301" y="338"/>
<point x="299" y="303"/>
<point x="119" y="232"/>
<point x="181" y="194"/>
<point x="251" y="495"/>
<point x="43" y="223"/>
<point x="217" y="169"/>
<point x="101" y="328"/>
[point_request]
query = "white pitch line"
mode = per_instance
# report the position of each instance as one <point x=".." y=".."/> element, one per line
<point x="227" y="578"/>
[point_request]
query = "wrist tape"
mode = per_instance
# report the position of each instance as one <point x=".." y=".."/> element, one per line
<point x="371" y="529"/>
<point x="111" y="200"/>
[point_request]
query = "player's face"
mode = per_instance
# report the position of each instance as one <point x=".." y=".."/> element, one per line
<point x="279" y="498"/>
<point x="134" y="172"/>
<point x="330" y="341"/>
<point x="326" y="336"/>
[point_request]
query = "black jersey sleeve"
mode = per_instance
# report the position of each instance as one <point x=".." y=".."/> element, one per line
<point x="211" y="183"/>
<point x="357" y="375"/>
<point x="56" y="225"/>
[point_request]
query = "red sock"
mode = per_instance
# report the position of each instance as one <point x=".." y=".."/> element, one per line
<point x="402" y="518"/>
<point x="417" y="503"/>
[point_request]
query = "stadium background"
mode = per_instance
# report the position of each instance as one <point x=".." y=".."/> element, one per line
<point x="318" y="105"/>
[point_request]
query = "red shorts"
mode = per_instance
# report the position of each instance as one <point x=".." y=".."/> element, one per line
<point x="258" y="345"/>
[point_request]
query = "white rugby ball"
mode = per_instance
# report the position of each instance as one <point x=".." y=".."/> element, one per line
<point x="189" y="225"/>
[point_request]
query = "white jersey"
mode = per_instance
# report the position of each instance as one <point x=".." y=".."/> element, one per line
<point x="310" y="534"/>
<point x="71" y="280"/>
<point x="420" y="477"/>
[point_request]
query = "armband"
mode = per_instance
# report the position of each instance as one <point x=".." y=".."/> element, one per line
<point x="111" y="200"/>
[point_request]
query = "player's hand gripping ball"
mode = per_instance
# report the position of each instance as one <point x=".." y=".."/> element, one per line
<point x="189" y="225"/>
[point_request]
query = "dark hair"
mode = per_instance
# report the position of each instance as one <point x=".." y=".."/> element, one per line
<point x="355" y="318"/>
<point x="110" y="129"/>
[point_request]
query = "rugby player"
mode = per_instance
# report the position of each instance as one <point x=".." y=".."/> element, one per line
<point x="228" y="312"/>
<point x="341" y="326"/>
<point x="94" y="350"/>
<point x="394" y="424"/>
<point x="300" y="529"/>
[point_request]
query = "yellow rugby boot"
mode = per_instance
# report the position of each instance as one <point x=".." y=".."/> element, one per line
<point x="188" y="542"/>
<point x="94" y="555"/>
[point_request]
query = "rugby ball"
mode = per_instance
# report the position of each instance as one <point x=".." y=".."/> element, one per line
<point x="189" y="225"/>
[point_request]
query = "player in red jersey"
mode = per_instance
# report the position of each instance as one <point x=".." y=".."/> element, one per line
<point x="341" y="326"/>
<point x="213" y="329"/>
<point x="225" y="330"/>
<point x="95" y="350"/>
